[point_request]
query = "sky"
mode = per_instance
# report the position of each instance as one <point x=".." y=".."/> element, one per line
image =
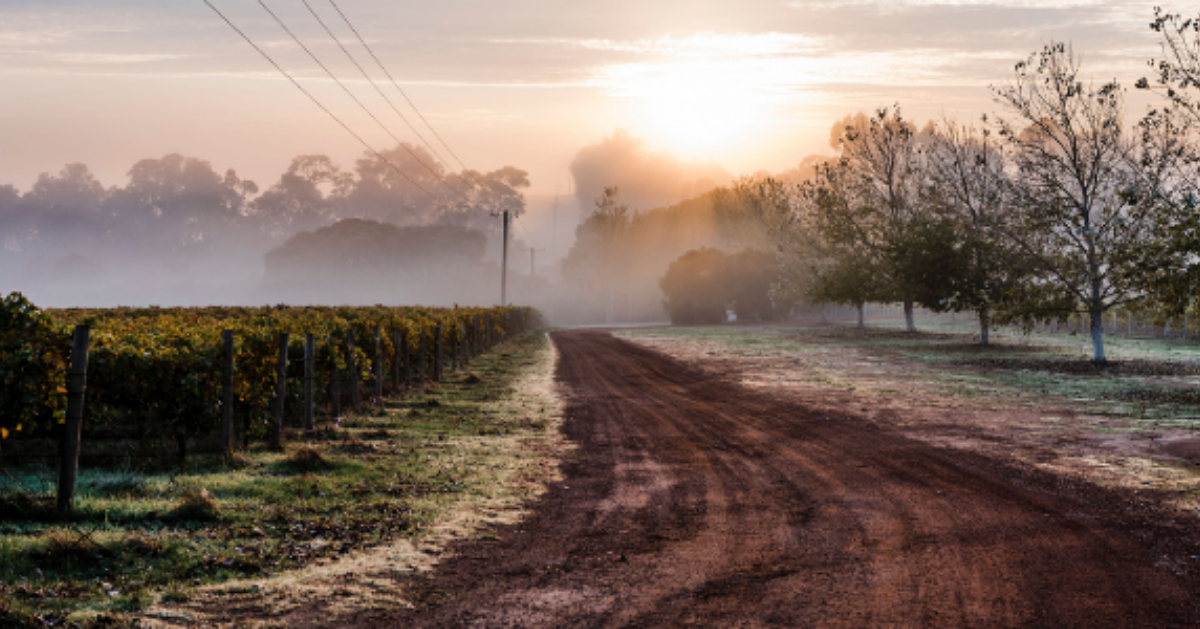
<point x="749" y="84"/>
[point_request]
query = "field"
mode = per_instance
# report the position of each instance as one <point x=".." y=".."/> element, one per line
<point x="793" y="475"/>
<point x="378" y="490"/>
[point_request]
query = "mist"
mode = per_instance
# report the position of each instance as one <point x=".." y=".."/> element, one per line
<point x="183" y="232"/>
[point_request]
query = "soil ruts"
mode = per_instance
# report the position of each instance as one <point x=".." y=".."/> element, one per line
<point x="695" y="501"/>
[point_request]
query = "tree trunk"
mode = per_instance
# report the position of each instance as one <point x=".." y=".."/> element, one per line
<point x="861" y="322"/>
<point x="1096" y="316"/>
<point x="985" y="322"/>
<point x="909" y="324"/>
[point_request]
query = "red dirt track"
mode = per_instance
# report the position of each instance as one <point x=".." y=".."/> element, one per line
<point x="695" y="501"/>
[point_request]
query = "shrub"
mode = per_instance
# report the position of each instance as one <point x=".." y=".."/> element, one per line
<point x="694" y="288"/>
<point x="749" y="276"/>
<point x="702" y="283"/>
<point x="196" y="504"/>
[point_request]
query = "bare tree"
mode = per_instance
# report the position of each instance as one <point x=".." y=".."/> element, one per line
<point x="969" y="174"/>
<point x="1080" y="167"/>
<point x="872" y="200"/>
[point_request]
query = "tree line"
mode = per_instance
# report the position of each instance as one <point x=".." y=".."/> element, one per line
<point x="1057" y="204"/>
<point x="182" y="209"/>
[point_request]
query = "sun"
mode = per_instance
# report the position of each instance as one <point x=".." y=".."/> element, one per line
<point x="696" y="108"/>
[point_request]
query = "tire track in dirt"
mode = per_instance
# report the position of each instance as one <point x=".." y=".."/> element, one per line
<point x="696" y="501"/>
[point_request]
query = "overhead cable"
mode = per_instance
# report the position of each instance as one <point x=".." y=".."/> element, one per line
<point x="403" y="93"/>
<point x="375" y="85"/>
<point x="319" y="104"/>
<point x="349" y="93"/>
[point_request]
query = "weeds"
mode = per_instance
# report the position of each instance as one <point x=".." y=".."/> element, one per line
<point x="153" y="535"/>
<point x="196" y="504"/>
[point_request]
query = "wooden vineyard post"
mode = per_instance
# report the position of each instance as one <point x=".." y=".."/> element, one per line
<point x="475" y="332"/>
<point x="421" y="360"/>
<point x="355" y="394"/>
<point x="335" y="382"/>
<point x="227" y="393"/>
<point x="407" y="362"/>
<point x="396" y="361"/>
<point x="487" y="331"/>
<point x="455" y="346"/>
<point x="462" y="345"/>
<point x="280" y="391"/>
<point x="437" y="353"/>
<point x="378" y="366"/>
<point x="68" y="471"/>
<point x="310" y="368"/>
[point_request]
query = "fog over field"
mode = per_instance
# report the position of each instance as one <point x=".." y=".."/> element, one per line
<point x="152" y="154"/>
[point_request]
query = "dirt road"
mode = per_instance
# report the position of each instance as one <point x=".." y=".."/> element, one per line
<point x="696" y="501"/>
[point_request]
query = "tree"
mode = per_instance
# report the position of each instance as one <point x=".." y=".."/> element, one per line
<point x="1168" y="266"/>
<point x="695" y="288"/>
<point x="872" y="206"/>
<point x="489" y="195"/>
<point x="751" y="211"/>
<point x="600" y="254"/>
<point x="1080" y="168"/>
<point x="970" y="178"/>
<point x="178" y="203"/>
<point x="750" y="277"/>
<point x="304" y="198"/>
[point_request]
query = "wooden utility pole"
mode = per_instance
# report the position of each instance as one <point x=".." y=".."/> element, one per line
<point x="68" y="471"/>
<point x="504" y="264"/>
<point x="532" y="253"/>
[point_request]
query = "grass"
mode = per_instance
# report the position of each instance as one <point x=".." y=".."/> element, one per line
<point x="1150" y="383"/>
<point x="139" y="539"/>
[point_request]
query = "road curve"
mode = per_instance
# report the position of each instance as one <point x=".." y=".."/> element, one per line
<point x="695" y="501"/>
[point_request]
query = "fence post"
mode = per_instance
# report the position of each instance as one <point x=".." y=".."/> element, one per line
<point x="421" y="359"/>
<point x="475" y="330"/>
<point x="227" y="393"/>
<point x="310" y="368"/>
<point x="355" y="394"/>
<point x="378" y="366"/>
<point x="280" y="391"/>
<point x="437" y="352"/>
<point x="407" y="359"/>
<point x="455" y="347"/>
<point x="335" y="381"/>
<point x="397" y="361"/>
<point x="68" y="472"/>
<point x="463" y="352"/>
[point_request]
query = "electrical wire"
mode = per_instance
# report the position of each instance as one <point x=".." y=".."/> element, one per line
<point x="404" y="94"/>
<point x="349" y="93"/>
<point x="319" y="104"/>
<point x="533" y="242"/>
<point x="375" y="85"/>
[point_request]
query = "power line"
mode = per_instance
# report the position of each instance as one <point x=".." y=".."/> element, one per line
<point x="372" y="82"/>
<point x="318" y="103"/>
<point x="331" y="75"/>
<point x="525" y="228"/>
<point x="403" y="93"/>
